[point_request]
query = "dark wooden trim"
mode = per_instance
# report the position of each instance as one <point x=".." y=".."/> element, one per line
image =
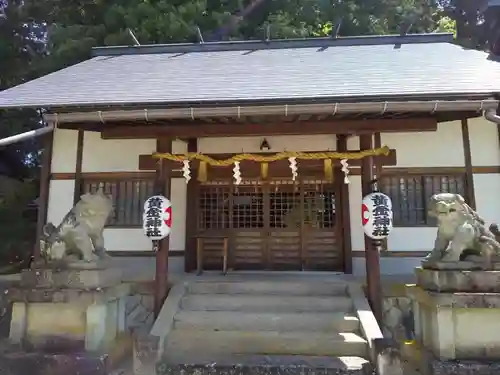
<point x="143" y="254"/>
<point x="345" y="215"/>
<point x="469" y="178"/>
<point x="148" y="163"/>
<point x="47" y="144"/>
<point x="372" y="254"/>
<point x="354" y="171"/>
<point x="110" y="175"/>
<point x="486" y="170"/>
<point x="440" y="170"/>
<point x="393" y="254"/>
<point x="78" y="167"/>
<point x="163" y="187"/>
<point x="266" y="129"/>
<point x="191" y="214"/>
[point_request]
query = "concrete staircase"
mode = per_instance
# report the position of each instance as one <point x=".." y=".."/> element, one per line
<point x="263" y="324"/>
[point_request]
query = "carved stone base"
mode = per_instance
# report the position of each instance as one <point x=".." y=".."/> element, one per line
<point x="457" y="313"/>
<point x="54" y="319"/>
<point x="449" y="281"/>
<point x="70" y="278"/>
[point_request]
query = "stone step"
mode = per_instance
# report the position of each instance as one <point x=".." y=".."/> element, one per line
<point x="213" y="344"/>
<point x="264" y="303"/>
<point x="263" y="364"/>
<point x="265" y="321"/>
<point x="308" y="288"/>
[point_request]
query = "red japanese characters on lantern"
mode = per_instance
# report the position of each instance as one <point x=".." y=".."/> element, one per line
<point x="376" y="215"/>
<point x="157" y="217"/>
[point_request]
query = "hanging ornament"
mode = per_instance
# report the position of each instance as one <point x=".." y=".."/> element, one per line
<point x="186" y="171"/>
<point x="237" y="173"/>
<point x="293" y="167"/>
<point x="345" y="169"/>
<point x="328" y="167"/>
<point x="202" y="171"/>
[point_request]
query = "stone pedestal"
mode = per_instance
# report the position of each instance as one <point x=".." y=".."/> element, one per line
<point x="457" y="318"/>
<point x="68" y="309"/>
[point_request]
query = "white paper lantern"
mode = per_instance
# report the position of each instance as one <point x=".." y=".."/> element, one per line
<point x="157" y="217"/>
<point x="376" y="215"/>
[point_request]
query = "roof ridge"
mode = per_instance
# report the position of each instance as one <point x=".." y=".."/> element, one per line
<point x="238" y="45"/>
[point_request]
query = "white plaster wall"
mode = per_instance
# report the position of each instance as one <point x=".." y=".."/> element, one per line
<point x="277" y="143"/>
<point x="483" y="135"/>
<point x="60" y="200"/>
<point x="442" y="148"/>
<point x="111" y="155"/>
<point x="64" y="151"/>
<point x="487" y="189"/>
<point x="118" y="155"/>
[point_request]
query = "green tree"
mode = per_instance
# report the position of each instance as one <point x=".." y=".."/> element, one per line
<point x="76" y="26"/>
<point x="21" y="49"/>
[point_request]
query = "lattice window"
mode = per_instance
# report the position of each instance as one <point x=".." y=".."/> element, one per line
<point x="319" y="204"/>
<point x="248" y="207"/>
<point x="213" y="207"/>
<point x="285" y="206"/>
<point x="128" y="198"/>
<point x="410" y="195"/>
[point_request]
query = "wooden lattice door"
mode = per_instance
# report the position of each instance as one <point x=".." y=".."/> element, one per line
<point x="276" y="225"/>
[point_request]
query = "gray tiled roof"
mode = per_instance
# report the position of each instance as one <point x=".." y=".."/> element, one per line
<point x="242" y="72"/>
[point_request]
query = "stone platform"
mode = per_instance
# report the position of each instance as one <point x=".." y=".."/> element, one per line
<point x="56" y="309"/>
<point x="457" y="320"/>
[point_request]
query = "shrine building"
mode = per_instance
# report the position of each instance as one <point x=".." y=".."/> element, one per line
<point x="416" y="112"/>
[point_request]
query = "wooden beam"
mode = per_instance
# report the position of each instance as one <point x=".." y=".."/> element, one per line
<point x="78" y="168"/>
<point x="191" y="215"/>
<point x="148" y="163"/>
<point x="469" y="176"/>
<point x="343" y="203"/>
<point x="371" y="253"/>
<point x="267" y="129"/>
<point x="163" y="187"/>
<point x="47" y="144"/>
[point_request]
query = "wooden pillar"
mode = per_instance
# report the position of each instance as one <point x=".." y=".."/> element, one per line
<point x="378" y="171"/>
<point x="47" y="141"/>
<point x="78" y="167"/>
<point x="191" y="214"/>
<point x="342" y="203"/>
<point x="162" y="186"/>
<point x="469" y="176"/>
<point x="372" y="257"/>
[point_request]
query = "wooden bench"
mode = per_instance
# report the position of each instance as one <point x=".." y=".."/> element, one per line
<point x="199" y="252"/>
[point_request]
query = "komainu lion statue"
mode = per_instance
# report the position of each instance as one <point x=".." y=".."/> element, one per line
<point x="80" y="234"/>
<point x="462" y="234"/>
